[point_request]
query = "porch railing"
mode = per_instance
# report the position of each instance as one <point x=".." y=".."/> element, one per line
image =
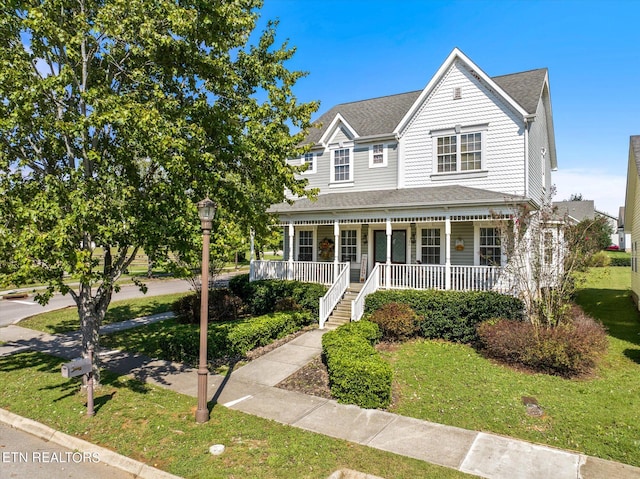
<point x="332" y="297"/>
<point x="370" y="286"/>
<point x="306" y="271"/>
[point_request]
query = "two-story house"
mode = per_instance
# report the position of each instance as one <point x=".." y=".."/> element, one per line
<point x="413" y="181"/>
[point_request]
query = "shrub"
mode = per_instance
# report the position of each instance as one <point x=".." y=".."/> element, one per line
<point x="262" y="296"/>
<point x="569" y="349"/>
<point x="599" y="260"/>
<point x="397" y="321"/>
<point x="262" y="330"/>
<point x="223" y="306"/>
<point x="357" y="373"/>
<point x="183" y="346"/>
<point x="620" y="261"/>
<point x="286" y="304"/>
<point x="450" y="315"/>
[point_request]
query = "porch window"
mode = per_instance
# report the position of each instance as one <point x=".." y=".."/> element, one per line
<point x="341" y="165"/>
<point x="548" y="247"/>
<point x="305" y="245"/>
<point x="348" y="245"/>
<point x="431" y="246"/>
<point x="490" y="247"/>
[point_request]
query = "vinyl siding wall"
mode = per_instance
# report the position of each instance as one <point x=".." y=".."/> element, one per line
<point x="503" y="139"/>
<point x="635" y="232"/>
<point x="538" y="139"/>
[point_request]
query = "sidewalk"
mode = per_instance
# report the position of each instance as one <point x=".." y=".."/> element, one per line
<point x="251" y="389"/>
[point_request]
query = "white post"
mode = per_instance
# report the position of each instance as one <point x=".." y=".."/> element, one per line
<point x="388" y="264"/>
<point x="291" y="233"/>
<point x="252" y="239"/>
<point x="336" y="248"/>
<point x="447" y="253"/>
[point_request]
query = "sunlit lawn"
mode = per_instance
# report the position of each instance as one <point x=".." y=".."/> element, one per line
<point x="452" y="384"/>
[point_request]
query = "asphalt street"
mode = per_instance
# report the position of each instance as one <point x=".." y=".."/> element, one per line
<point x="25" y="456"/>
<point x="14" y="310"/>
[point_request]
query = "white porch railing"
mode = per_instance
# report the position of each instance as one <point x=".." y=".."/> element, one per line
<point x="332" y="297"/>
<point x="478" y="278"/>
<point x="306" y="271"/>
<point x="370" y="286"/>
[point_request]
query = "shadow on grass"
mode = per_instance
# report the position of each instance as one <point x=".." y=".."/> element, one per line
<point x="616" y="310"/>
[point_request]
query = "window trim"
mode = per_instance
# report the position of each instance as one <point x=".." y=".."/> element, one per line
<point x="314" y="163"/>
<point x="385" y="156"/>
<point x="420" y="245"/>
<point x="458" y="131"/>
<point x="476" y="241"/>
<point x="313" y="242"/>
<point x="350" y="181"/>
<point x="357" y="244"/>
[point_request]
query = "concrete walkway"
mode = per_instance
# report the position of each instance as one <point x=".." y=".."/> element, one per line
<point x="251" y="389"/>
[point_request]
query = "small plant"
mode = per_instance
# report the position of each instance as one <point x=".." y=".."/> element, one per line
<point x="397" y="321"/>
<point x="223" y="306"/>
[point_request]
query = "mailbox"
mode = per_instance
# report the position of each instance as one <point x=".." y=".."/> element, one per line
<point x="77" y="367"/>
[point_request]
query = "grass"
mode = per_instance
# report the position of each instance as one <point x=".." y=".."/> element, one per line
<point x="66" y="320"/>
<point x="157" y="427"/>
<point x="452" y="384"/>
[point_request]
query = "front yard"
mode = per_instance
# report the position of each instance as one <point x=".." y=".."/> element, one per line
<point x="600" y="416"/>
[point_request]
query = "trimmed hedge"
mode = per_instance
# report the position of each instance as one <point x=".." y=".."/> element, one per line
<point x="450" y="315"/>
<point x="357" y="373"/>
<point x="261" y="297"/>
<point x="232" y="339"/>
<point x="620" y="261"/>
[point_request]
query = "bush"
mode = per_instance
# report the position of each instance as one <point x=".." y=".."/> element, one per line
<point x="183" y="346"/>
<point x="620" y="261"/>
<point x="262" y="330"/>
<point x="262" y="296"/>
<point x="599" y="260"/>
<point x="223" y="306"/>
<point x="357" y="373"/>
<point x="570" y="349"/>
<point x="450" y="315"/>
<point x="397" y="321"/>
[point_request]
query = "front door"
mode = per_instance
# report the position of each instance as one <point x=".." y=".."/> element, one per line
<point x="398" y="246"/>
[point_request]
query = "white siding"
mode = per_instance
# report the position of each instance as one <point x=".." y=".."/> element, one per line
<point x="538" y="139"/>
<point x="504" y="139"/>
<point x="633" y="190"/>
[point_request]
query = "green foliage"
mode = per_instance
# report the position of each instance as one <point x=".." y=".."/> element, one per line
<point x="117" y="118"/>
<point x="182" y="343"/>
<point x="450" y="315"/>
<point x="264" y="329"/>
<point x="262" y="297"/>
<point x="569" y="349"/>
<point x="396" y="320"/>
<point x="620" y="261"/>
<point x="592" y="235"/>
<point x="599" y="260"/>
<point x="223" y="306"/>
<point x="357" y="373"/>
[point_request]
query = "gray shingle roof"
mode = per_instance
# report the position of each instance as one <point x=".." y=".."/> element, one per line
<point x="579" y="210"/>
<point x="434" y="196"/>
<point x="525" y="87"/>
<point x="381" y="116"/>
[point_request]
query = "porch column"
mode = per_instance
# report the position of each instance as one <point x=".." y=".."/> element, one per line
<point x="252" y="239"/>
<point x="387" y="267"/>
<point x="291" y="233"/>
<point x="447" y="252"/>
<point x="336" y="248"/>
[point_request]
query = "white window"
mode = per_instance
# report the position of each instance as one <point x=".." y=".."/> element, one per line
<point x="460" y="152"/>
<point x="342" y="165"/>
<point x="305" y="245"/>
<point x="377" y="155"/>
<point x="490" y="246"/>
<point x="431" y="246"/>
<point x="348" y="245"/>
<point x="309" y="160"/>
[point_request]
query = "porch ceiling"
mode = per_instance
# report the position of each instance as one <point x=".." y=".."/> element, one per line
<point x="427" y="197"/>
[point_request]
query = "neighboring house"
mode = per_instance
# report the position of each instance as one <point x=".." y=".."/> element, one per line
<point x="632" y="212"/>
<point x="624" y="237"/>
<point x="413" y="181"/>
<point x="578" y="211"/>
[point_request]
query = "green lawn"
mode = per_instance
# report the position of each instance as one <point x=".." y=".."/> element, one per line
<point x="157" y="427"/>
<point x="452" y="384"/>
<point x="66" y="320"/>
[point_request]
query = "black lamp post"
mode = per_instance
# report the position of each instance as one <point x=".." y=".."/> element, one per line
<point x="206" y="211"/>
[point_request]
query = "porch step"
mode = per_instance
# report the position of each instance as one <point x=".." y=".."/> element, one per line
<point x="342" y="313"/>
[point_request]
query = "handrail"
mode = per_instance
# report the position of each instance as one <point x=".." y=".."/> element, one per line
<point x="305" y="271"/>
<point x="332" y="297"/>
<point x="370" y="286"/>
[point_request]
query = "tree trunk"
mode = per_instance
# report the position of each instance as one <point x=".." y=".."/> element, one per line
<point x="91" y="310"/>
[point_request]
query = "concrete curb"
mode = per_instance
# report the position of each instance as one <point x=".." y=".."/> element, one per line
<point x="108" y="457"/>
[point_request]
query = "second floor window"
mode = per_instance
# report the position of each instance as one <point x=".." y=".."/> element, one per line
<point x="459" y="152"/>
<point x="308" y="160"/>
<point x="342" y="165"/>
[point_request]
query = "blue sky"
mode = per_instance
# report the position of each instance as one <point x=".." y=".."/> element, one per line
<point x="357" y="49"/>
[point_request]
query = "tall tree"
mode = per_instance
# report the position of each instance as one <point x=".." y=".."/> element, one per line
<point x="117" y="116"/>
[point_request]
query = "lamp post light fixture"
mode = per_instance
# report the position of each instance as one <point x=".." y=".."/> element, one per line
<point x="206" y="211"/>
